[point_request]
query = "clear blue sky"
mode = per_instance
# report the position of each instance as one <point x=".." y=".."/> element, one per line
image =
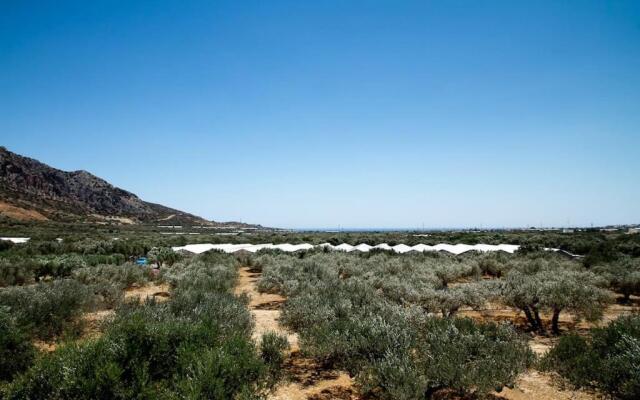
<point x="327" y="113"/>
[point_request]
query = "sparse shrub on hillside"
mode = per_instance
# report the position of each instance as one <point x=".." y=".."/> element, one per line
<point x="46" y="309"/>
<point x="609" y="361"/>
<point x="16" y="351"/>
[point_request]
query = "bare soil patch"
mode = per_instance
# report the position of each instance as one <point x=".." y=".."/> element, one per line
<point x="154" y="290"/>
<point x="46" y="347"/>
<point x="19" y="213"/>
<point x="93" y="322"/>
<point x="534" y="385"/>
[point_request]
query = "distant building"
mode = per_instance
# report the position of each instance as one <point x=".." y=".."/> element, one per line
<point x="567" y="230"/>
<point x="631" y="231"/>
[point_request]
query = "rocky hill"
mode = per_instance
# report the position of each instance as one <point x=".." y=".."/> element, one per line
<point x="31" y="190"/>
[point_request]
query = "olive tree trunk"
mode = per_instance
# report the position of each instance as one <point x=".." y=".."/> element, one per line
<point x="554" y="321"/>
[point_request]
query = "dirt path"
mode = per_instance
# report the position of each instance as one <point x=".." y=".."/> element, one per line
<point x="304" y="379"/>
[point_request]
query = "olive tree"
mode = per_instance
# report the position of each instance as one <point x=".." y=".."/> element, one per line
<point x="162" y="255"/>
<point x="554" y="289"/>
<point x="623" y="276"/>
<point x="448" y="301"/>
<point x="448" y="272"/>
<point x="574" y="291"/>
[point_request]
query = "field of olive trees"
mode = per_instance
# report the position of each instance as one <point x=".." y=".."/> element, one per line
<point x="194" y="341"/>
<point x="394" y="322"/>
<point x="79" y="319"/>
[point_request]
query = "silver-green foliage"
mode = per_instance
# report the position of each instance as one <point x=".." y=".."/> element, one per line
<point x="373" y="316"/>
<point x="553" y="287"/>
<point x="45" y="309"/>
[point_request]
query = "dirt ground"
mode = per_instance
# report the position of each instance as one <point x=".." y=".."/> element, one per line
<point x="158" y="291"/>
<point x="93" y="323"/>
<point x="534" y="385"/>
<point x="19" y="213"/>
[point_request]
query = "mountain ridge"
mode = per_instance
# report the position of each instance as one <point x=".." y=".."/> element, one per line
<point x="33" y="190"/>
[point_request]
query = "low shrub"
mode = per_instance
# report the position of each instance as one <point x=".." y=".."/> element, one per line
<point x="124" y="275"/>
<point x="272" y="348"/>
<point x="14" y="273"/>
<point x="196" y="345"/>
<point x="141" y="357"/>
<point x="163" y="255"/>
<point x="452" y="354"/>
<point x="210" y="271"/>
<point x="16" y="351"/>
<point x="609" y="360"/>
<point x="46" y="309"/>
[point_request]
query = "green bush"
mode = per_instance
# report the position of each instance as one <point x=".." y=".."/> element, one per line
<point x="210" y="271"/>
<point x="196" y="345"/>
<point x="609" y="361"/>
<point x="140" y="357"/>
<point x="227" y="372"/>
<point x="124" y="275"/>
<point x="15" y="273"/>
<point x="272" y="348"/>
<point x="454" y="354"/>
<point x="46" y="309"/>
<point x="16" y="351"/>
